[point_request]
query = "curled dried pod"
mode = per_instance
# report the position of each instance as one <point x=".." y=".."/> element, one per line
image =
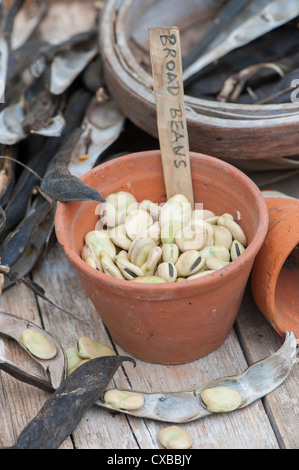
<point x="216" y="252"/>
<point x="139" y="250"/>
<point x="189" y="262"/>
<point x="89" y="256"/>
<point x="128" y="269"/>
<point x="235" y="229"/>
<point x="37" y="344"/>
<point x="136" y="221"/>
<point x="123" y="399"/>
<point x="109" y="266"/>
<point x="100" y="240"/>
<point x="174" y="437"/>
<point x="236" y="249"/>
<point x="167" y="271"/>
<point x="220" y="399"/>
<point x="114" y="210"/>
<point x="154" y="256"/>
<point x="119" y="237"/>
<point x="170" y="252"/>
<point x="222" y="236"/>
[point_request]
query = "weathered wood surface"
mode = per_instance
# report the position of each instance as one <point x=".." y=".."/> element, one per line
<point x="165" y="49"/>
<point x="266" y="424"/>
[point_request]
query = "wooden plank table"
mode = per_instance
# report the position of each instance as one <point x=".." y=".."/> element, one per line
<point x="269" y="423"/>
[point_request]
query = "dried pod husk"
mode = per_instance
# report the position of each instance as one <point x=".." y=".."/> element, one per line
<point x="136" y="221"/>
<point x="154" y="257"/>
<point x="189" y="262"/>
<point x="174" y="437"/>
<point x="235" y="229"/>
<point x="109" y="266"/>
<point x="114" y="211"/>
<point x="89" y="348"/>
<point x="215" y="263"/>
<point x="236" y="249"/>
<point x="200" y="274"/>
<point x="188" y="238"/>
<point x="73" y="359"/>
<point x="222" y="236"/>
<point x="220" y="399"/>
<point x="215" y="251"/>
<point x="170" y="252"/>
<point x="100" y="240"/>
<point x="89" y="256"/>
<point x="123" y="399"/>
<point x="37" y="344"/>
<point x="119" y="237"/>
<point x="129" y="270"/>
<point x="148" y="279"/>
<point x="139" y="250"/>
<point x="167" y="271"/>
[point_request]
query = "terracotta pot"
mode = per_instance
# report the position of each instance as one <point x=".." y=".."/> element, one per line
<point x="275" y="275"/>
<point x="168" y="323"/>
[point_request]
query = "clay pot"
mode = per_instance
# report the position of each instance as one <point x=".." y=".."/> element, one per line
<point x="168" y="323"/>
<point x="275" y="274"/>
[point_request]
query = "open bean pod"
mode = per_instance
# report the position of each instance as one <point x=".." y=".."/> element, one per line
<point x="255" y="382"/>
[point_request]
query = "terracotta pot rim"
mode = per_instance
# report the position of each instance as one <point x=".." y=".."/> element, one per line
<point x="180" y="289"/>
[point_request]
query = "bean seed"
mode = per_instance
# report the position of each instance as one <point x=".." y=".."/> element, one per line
<point x="189" y="262"/>
<point x="123" y="400"/>
<point x="37" y="344"/>
<point x="89" y="348"/>
<point x="100" y="240"/>
<point x="154" y="256"/>
<point x="236" y="249"/>
<point x="170" y="252"/>
<point x="220" y="399"/>
<point x="109" y="266"/>
<point x="215" y="263"/>
<point x="136" y="221"/>
<point x="167" y="271"/>
<point x="148" y="279"/>
<point x="139" y="250"/>
<point x="174" y="437"/>
<point x="234" y="228"/>
<point x="222" y="236"/>
<point x="73" y="359"/>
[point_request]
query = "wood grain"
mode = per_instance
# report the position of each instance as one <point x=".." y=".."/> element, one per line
<point x="166" y="62"/>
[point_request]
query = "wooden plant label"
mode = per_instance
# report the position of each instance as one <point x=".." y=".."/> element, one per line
<point x="166" y="63"/>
